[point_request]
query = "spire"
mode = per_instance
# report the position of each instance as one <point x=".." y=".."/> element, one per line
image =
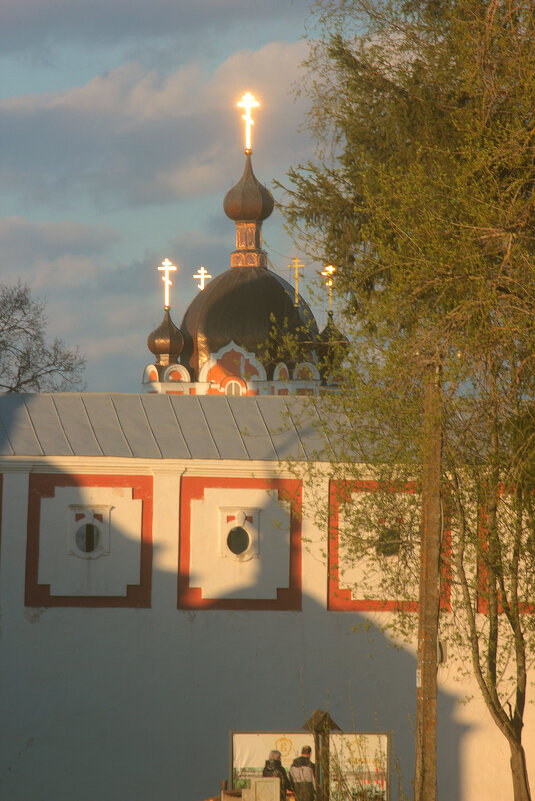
<point x="248" y="203"/>
<point x="166" y="341"/>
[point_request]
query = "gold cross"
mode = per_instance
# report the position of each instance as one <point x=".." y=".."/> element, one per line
<point x="167" y="266"/>
<point x="203" y="275"/>
<point x="297" y="266"/>
<point x="248" y="102"/>
<point x="328" y="272"/>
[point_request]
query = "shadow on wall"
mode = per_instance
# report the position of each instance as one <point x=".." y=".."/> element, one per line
<point x="109" y="699"/>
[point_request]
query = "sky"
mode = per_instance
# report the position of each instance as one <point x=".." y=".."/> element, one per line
<point x="119" y="137"/>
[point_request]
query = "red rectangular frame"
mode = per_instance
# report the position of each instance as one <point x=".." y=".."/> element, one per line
<point x="340" y="600"/>
<point x="43" y="485"/>
<point x="288" y="598"/>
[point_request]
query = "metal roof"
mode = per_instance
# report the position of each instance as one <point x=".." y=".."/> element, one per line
<point x="163" y="426"/>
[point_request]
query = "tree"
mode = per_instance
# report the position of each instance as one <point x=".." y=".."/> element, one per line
<point x="27" y="362"/>
<point x="422" y="194"/>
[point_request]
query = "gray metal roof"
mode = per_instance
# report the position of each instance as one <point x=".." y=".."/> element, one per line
<point x="163" y="426"/>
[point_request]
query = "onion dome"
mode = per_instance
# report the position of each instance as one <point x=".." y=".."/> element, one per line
<point x="246" y="306"/>
<point x="166" y="341"/>
<point x="332" y="349"/>
<point x="249" y="200"/>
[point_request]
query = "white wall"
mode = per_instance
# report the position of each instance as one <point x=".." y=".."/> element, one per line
<point x="137" y="704"/>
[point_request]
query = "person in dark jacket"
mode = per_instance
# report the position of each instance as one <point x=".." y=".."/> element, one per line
<point x="273" y="767"/>
<point x="302" y="776"/>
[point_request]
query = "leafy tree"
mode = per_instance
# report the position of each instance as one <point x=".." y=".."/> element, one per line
<point x="422" y="194"/>
<point x="28" y="363"/>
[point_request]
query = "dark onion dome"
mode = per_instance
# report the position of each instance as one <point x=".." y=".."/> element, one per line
<point x="166" y="341"/>
<point x="244" y="305"/>
<point x="249" y="199"/>
<point x="332" y="348"/>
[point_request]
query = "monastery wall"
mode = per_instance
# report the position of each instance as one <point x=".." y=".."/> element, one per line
<point x="131" y="649"/>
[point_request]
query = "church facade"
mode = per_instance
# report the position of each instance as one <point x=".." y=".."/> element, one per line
<point x="164" y="579"/>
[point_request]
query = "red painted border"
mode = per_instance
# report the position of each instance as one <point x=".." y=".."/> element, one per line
<point x="288" y="598"/>
<point x="43" y="485"/>
<point x="340" y="600"/>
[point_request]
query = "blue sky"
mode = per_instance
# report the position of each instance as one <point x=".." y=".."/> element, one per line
<point x="119" y="139"/>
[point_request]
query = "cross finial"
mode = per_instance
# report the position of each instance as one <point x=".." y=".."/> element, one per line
<point x="203" y="275"/>
<point x="166" y="267"/>
<point x="248" y="102"/>
<point x="328" y="272"/>
<point x="297" y="264"/>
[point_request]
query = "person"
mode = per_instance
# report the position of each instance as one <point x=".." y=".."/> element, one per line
<point x="302" y="776"/>
<point x="273" y="767"/>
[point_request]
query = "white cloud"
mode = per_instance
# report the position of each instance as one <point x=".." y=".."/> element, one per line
<point x="132" y="136"/>
<point x="50" y="256"/>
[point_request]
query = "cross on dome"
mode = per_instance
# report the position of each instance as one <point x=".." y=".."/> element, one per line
<point x="203" y="275"/>
<point x="328" y="273"/>
<point x="248" y="102"/>
<point x="297" y="264"/>
<point x="166" y="267"/>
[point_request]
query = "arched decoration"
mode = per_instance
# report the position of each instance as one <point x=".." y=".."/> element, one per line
<point x="232" y="360"/>
<point x="281" y="372"/>
<point x="306" y="371"/>
<point x="150" y="374"/>
<point x="176" y="372"/>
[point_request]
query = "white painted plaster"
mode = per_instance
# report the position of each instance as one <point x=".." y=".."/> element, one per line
<point x="223" y="577"/>
<point x="63" y="569"/>
<point x="138" y="703"/>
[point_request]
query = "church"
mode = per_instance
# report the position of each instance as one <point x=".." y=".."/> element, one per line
<point x="164" y="579"/>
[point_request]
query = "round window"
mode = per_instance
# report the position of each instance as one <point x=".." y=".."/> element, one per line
<point x="87" y="538"/>
<point x="238" y="540"/>
<point x="388" y="542"/>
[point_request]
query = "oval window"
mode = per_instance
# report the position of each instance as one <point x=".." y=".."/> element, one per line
<point x="87" y="538"/>
<point x="238" y="540"/>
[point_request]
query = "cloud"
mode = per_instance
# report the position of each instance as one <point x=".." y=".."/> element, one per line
<point x="49" y="22"/>
<point x="22" y="239"/>
<point x="52" y="255"/>
<point x="134" y="136"/>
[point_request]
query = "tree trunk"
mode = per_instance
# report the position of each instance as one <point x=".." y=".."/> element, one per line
<point x="519" y="772"/>
<point x="425" y="772"/>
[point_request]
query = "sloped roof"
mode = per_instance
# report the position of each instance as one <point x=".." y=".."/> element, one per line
<point x="163" y="427"/>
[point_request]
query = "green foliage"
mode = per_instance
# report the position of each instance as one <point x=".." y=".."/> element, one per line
<point x="423" y="195"/>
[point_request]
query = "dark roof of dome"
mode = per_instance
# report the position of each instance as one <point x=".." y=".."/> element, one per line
<point x="166" y="339"/>
<point x="249" y="199"/>
<point x="332" y="334"/>
<point x="243" y="305"/>
<point x="332" y="348"/>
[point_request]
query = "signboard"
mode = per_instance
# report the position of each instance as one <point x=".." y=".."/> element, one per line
<point x="359" y="767"/>
<point x="359" y="762"/>
<point x="249" y="751"/>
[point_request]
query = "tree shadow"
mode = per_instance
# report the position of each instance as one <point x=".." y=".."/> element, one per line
<point x="110" y="702"/>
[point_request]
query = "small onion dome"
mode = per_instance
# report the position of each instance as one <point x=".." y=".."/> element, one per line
<point x="244" y="306"/>
<point x="249" y="199"/>
<point x="332" y="349"/>
<point x="166" y="341"/>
